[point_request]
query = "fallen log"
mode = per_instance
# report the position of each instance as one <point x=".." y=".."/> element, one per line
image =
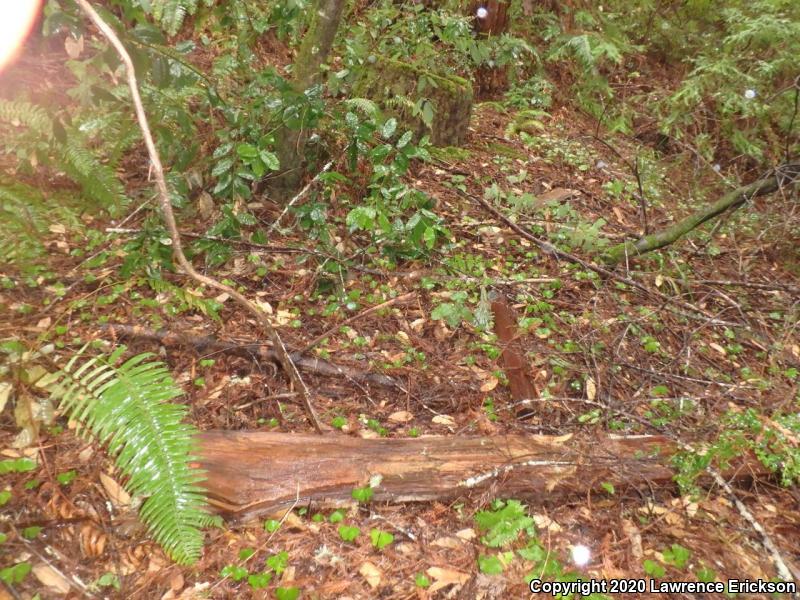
<point x="259" y="352"/>
<point x="256" y="473"/>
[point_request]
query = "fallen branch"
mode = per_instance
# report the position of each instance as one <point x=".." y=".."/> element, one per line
<point x="261" y="352"/>
<point x="783" y="176"/>
<point x="172" y="226"/>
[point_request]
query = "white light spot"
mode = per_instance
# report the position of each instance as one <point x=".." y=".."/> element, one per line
<point x="18" y="18"/>
<point x="717" y="167"/>
<point x="749" y="94"/>
<point x="581" y="555"/>
<point x="482" y="13"/>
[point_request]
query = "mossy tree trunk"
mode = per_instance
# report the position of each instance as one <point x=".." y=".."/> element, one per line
<point x="314" y="51"/>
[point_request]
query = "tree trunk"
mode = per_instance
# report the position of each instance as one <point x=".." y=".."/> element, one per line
<point x="256" y="473"/>
<point x="314" y="51"/>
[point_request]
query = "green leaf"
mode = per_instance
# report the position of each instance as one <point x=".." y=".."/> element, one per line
<point x="108" y="580"/>
<point x="32" y="532"/>
<point x="427" y="113"/>
<point x="278" y="562"/>
<point x="16" y="465"/>
<point x="504" y="524"/>
<point x="608" y="487"/>
<point x="66" y="477"/>
<point x="653" y="569"/>
<point x="389" y="127"/>
<point x="404" y="140"/>
<point x="15" y="574"/>
<point x="247" y="151"/>
<point x="235" y="572"/>
<point x="259" y="580"/>
<point x="246" y="553"/>
<point x="337" y="516"/>
<point x="270" y="160"/>
<point x="421" y="580"/>
<point x="271" y="525"/>
<point x="127" y="408"/>
<point x="490" y="565"/>
<point x="677" y="556"/>
<point x="291" y="593"/>
<point x="222" y="167"/>
<point x="362" y="495"/>
<point x="380" y="539"/>
<point x="349" y="533"/>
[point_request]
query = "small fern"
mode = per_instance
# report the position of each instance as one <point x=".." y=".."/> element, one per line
<point x="68" y="152"/>
<point x="365" y="106"/>
<point x="98" y="181"/>
<point x="127" y="407"/>
<point x="171" y="13"/>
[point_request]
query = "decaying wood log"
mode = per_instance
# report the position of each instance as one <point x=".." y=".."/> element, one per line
<point x="260" y="352"/>
<point x="512" y="357"/>
<point x="255" y="473"/>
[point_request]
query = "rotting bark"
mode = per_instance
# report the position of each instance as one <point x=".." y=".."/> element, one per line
<point x="512" y="356"/>
<point x="783" y="176"/>
<point x="259" y="352"/>
<point x="256" y="473"/>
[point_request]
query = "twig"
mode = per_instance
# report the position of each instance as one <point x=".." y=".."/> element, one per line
<point x="172" y="226"/>
<point x="355" y="317"/>
<point x="299" y="195"/>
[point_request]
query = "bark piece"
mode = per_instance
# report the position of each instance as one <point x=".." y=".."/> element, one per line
<point x="512" y="357"/>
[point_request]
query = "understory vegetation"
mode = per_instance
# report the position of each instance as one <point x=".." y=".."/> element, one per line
<point x="412" y="196"/>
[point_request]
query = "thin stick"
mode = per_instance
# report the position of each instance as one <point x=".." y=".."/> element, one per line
<point x="169" y="219"/>
<point x="355" y="317"/>
<point x="299" y="195"/>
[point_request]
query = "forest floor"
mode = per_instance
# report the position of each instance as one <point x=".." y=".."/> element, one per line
<point x="586" y="337"/>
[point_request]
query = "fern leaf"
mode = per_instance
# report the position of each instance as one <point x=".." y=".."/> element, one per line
<point x="171" y="13"/>
<point x="34" y="117"/>
<point x="364" y="105"/>
<point x="98" y="181"/>
<point x="127" y="408"/>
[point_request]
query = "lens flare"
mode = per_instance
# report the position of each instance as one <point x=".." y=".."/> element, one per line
<point x="16" y="19"/>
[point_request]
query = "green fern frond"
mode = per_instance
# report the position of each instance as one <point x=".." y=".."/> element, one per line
<point x="364" y="105"/>
<point x="18" y="113"/>
<point x="171" y="13"/>
<point x="23" y="221"/>
<point x="98" y="181"/>
<point x="127" y="407"/>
